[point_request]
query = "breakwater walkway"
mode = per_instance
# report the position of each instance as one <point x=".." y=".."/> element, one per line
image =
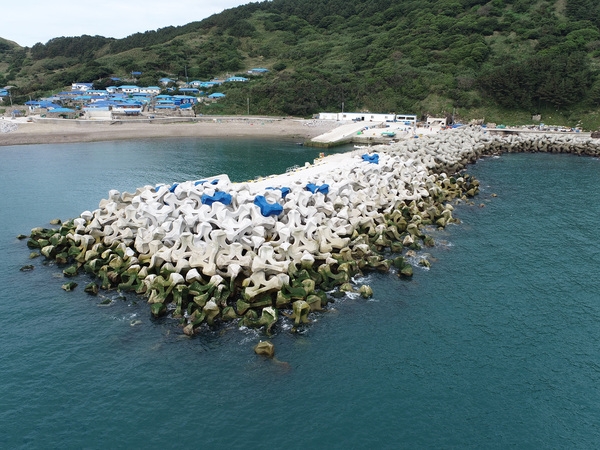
<point x="209" y="251"/>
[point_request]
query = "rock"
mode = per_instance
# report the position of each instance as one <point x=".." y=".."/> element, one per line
<point x="346" y="287"/>
<point x="406" y="271"/>
<point x="365" y="291"/>
<point x="265" y="348"/>
<point x="27" y="268"/>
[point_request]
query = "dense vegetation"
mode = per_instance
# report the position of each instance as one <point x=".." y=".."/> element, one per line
<point x="425" y="56"/>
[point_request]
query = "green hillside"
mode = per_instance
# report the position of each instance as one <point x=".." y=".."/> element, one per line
<point x="501" y="59"/>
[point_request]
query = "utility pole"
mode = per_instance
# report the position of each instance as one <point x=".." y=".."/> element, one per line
<point x="248" y="103"/>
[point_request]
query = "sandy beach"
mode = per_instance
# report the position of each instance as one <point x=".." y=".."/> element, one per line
<point x="48" y="131"/>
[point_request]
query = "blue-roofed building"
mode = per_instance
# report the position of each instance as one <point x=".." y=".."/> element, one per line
<point x="135" y="74"/>
<point x="101" y="105"/>
<point x="165" y="81"/>
<point x="34" y="105"/>
<point x="185" y="99"/>
<point x="128" y="107"/>
<point x="142" y="97"/>
<point x="210" y="84"/>
<point x="164" y="101"/>
<point x="236" y="79"/>
<point x="258" y="71"/>
<point x="216" y="95"/>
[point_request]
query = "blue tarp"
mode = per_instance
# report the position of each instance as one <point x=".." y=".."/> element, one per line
<point x="284" y="190"/>
<point x="323" y="189"/>
<point x="373" y="159"/>
<point x="266" y="208"/>
<point x="222" y="197"/>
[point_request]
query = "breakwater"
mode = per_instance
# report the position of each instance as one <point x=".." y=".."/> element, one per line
<point x="211" y="250"/>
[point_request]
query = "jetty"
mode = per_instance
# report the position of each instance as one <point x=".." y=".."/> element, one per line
<point x="343" y="134"/>
<point x="208" y="251"/>
<point x="370" y="133"/>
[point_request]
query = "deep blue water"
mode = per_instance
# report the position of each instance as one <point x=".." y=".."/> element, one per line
<point x="496" y="346"/>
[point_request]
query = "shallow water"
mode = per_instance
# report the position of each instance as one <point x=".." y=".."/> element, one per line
<point x="495" y="346"/>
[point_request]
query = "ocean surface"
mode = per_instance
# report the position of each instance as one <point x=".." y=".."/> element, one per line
<point x="497" y="345"/>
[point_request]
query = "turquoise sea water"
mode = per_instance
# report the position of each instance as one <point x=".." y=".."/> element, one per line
<point x="496" y="346"/>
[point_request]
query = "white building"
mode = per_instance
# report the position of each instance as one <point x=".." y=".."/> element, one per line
<point x="436" y="121"/>
<point x="153" y="90"/>
<point x="81" y="86"/>
<point x="407" y="119"/>
<point x="129" y="89"/>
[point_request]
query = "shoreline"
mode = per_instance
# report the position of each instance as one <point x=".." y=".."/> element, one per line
<point x="41" y="131"/>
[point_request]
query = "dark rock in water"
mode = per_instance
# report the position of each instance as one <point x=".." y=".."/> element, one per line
<point x="22" y="236"/>
<point x="595" y="134"/>
<point x="69" y="286"/>
<point x="406" y="271"/>
<point x="91" y="288"/>
<point x="26" y="268"/>
<point x="265" y="348"/>
<point x="32" y="243"/>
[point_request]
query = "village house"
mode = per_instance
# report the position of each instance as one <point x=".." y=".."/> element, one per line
<point x="82" y="86"/>
<point x="258" y="71"/>
<point x="129" y="89"/>
<point x="236" y="79"/>
<point x="153" y="90"/>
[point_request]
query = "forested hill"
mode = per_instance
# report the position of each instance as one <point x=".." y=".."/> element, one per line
<point x="421" y="56"/>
